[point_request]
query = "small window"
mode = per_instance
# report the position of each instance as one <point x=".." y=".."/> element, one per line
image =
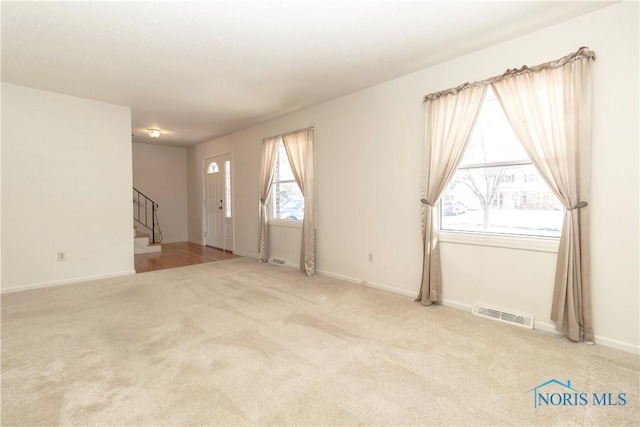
<point x="213" y="168"/>
<point x="496" y="188"/>
<point x="287" y="202"/>
<point x="227" y="187"/>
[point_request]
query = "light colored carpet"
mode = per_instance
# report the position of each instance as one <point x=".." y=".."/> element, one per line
<point x="241" y="343"/>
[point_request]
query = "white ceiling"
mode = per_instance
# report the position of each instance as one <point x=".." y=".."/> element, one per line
<point x="200" y="70"/>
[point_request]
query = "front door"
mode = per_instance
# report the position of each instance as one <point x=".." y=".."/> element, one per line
<point x="217" y="203"/>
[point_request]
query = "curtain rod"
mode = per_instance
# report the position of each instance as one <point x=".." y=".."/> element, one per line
<point x="290" y="133"/>
<point x="581" y="53"/>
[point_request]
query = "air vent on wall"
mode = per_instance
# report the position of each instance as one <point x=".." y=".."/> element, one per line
<point x="277" y="261"/>
<point x="518" y="319"/>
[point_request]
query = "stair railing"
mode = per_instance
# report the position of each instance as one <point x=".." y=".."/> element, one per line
<point x="145" y="213"/>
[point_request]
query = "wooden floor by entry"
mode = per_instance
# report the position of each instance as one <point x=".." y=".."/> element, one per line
<point x="179" y="254"/>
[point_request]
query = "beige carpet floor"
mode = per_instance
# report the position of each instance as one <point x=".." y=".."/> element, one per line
<point x="241" y="343"/>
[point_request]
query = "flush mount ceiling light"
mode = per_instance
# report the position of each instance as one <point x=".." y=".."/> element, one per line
<point x="154" y="133"/>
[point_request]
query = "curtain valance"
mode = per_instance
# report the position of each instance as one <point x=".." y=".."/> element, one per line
<point x="583" y="52"/>
<point x="288" y="133"/>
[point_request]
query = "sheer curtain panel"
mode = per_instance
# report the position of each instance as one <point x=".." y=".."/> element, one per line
<point x="449" y="119"/>
<point x="267" y="167"/>
<point x="299" y="148"/>
<point x="549" y="108"/>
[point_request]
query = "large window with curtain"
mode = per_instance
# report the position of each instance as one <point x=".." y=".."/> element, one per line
<point x="286" y="169"/>
<point x="496" y="188"/>
<point x="548" y="106"/>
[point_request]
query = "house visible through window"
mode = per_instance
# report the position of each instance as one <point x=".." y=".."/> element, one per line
<point x="287" y="202"/>
<point x="496" y="188"/>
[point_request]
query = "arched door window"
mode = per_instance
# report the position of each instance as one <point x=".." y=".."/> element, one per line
<point x="213" y="168"/>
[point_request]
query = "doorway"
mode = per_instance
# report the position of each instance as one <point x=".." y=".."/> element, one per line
<point x="218" y="213"/>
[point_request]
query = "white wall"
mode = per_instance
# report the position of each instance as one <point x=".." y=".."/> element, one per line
<point x="369" y="168"/>
<point x="66" y="186"/>
<point x="161" y="173"/>
<point x="0" y="191"/>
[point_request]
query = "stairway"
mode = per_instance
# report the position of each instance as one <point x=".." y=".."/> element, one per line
<point x="145" y="215"/>
<point x="141" y="244"/>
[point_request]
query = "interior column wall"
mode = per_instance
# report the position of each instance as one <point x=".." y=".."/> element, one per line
<point x="66" y="187"/>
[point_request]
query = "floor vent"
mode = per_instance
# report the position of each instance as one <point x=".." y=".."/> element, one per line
<point x="517" y="319"/>
<point x="277" y="261"/>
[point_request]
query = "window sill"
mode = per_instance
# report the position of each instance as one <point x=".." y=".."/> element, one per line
<point x="285" y="223"/>
<point x="537" y="244"/>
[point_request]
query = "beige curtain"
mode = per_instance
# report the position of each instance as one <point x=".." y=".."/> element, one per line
<point x="549" y="109"/>
<point x="299" y="147"/>
<point x="267" y="168"/>
<point x="449" y="121"/>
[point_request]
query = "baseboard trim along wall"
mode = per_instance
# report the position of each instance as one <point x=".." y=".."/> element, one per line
<point x="382" y="287"/>
<point x="246" y="254"/>
<point x="368" y="284"/>
<point x="457" y="305"/>
<point x="66" y="281"/>
<point x="541" y="326"/>
<point x="600" y="340"/>
<point x="606" y="342"/>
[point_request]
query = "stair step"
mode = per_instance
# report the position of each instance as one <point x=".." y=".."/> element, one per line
<point x="147" y="249"/>
<point x="142" y="245"/>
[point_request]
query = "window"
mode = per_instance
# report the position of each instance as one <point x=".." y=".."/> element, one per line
<point x="213" y="168"/>
<point x="496" y="188"/>
<point x="227" y="188"/>
<point x="287" y="202"/>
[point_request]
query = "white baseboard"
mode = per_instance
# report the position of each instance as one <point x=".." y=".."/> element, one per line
<point x="246" y="254"/>
<point x="457" y="305"/>
<point x="338" y="276"/>
<point x="197" y="242"/>
<point x="603" y="341"/>
<point x="541" y="326"/>
<point x="66" y="281"/>
<point x="619" y="345"/>
<point x="367" y="284"/>
<point x="545" y="326"/>
<point x="551" y="328"/>
<point x="397" y="291"/>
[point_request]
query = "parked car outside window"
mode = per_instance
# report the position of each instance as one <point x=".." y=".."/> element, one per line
<point x="453" y="208"/>
<point x="292" y="210"/>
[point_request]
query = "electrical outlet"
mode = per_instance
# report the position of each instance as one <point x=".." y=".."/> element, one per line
<point x="62" y="256"/>
<point x="370" y="257"/>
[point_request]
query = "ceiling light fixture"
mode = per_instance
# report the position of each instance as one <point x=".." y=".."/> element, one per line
<point x="154" y="133"/>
